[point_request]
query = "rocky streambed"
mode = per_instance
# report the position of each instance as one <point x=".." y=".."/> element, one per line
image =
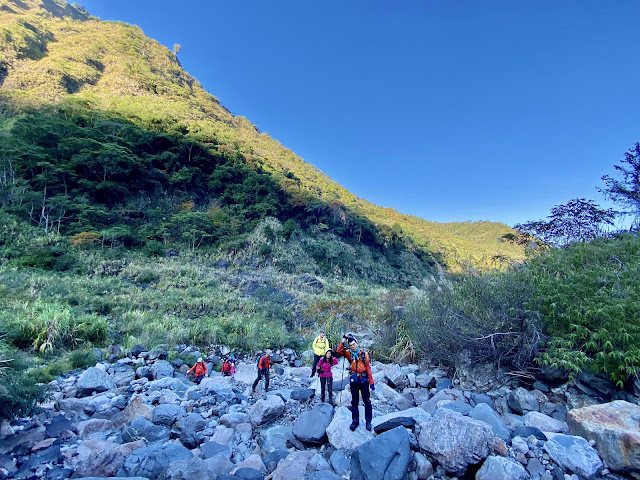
<point x="138" y="416"/>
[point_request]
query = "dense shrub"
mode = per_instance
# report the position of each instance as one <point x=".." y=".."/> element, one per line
<point x="589" y="296"/>
<point x="482" y="315"/>
<point x="19" y="393"/>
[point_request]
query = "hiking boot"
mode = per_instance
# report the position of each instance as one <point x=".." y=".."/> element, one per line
<point x="368" y="426"/>
<point x="311" y="376"/>
<point x="353" y="427"/>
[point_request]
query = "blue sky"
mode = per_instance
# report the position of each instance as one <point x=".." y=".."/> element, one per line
<point x="448" y="110"/>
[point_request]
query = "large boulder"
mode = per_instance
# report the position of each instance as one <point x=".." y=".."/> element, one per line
<point x="339" y="434"/>
<point x="456" y="441"/>
<point x="167" y="414"/>
<point x="94" y="427"/>
<point x="233" y="419"/>
<point x="161" y="369"/>
<point x="190" y="428"/>
<point x="500" y="468"/>
<point x="188" y="469"/>
<point x="389" y="395"/>
<point x="615" y="427"/>
<point x="141" y="428"/>
<point x="294" y="466"/>
<point x="265" y="410"/>
<point x="387" y="456"/>
<point x="136" y="408"/>
<point x="395" y="376"/>
<point x="486" y="414"/>
<point x="311" y="426"/>
<point x="545" y="423"/>
<point x="100" y="458"/>
<point x="150" y="462"/>
<point x="441" y="398"/>
<point x="405" y="418"/>
<point x="94" y="380"/>
<point x="522" y="401"/>
<point x="245" y="373"/>
<point x="276" y="438"/>
<point x="574" y="454"/>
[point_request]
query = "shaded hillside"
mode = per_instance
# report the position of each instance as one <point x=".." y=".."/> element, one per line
<point x="52" y="52"/>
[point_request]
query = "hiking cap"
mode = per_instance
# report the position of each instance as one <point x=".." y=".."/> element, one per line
<point x="200" y="359"/>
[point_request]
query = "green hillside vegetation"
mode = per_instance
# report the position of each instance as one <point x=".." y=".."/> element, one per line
<point x="136" y="209"/>
<point x="54" y="52"/>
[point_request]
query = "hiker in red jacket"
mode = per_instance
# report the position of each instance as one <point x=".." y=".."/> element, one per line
<point x="200" y="370"/>
<point x="360" y="379"/>
<point x="264" y="363"/>
<point x="326" y="376"/>
<point x="227" y="368"/>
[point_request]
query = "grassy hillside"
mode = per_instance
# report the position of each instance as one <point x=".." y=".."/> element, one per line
<point x="51" y="52"/>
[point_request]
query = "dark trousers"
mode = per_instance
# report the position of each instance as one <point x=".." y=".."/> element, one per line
<point x="316" y="359"/>
<point x="324" y="383"/>
<point x="199" y="379"/>
<point x="262" y="373"/>
<point x="358" y="387"/>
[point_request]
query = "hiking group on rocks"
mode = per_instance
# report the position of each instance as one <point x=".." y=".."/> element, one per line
<point x="138" y="415"/>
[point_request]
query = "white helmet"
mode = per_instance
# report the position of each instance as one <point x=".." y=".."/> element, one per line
<point x="200" y="359"/>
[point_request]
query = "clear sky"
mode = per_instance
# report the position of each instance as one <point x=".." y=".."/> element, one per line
<point x="449" y="110"/>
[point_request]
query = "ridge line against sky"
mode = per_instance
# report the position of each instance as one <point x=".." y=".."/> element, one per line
<point x="449" y="111"/>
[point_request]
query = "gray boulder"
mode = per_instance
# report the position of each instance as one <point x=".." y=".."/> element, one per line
<point x="339" y="434"/>
<point x="93" y="428"/>
<point x="265" y="410"/>
<point x="141" y="428"/>
<point x="123" y="375"/>
<point x="190" y="428"/>
<point x="340" y="462"/>
<point x="385" y="457"/>
<point x="522" y="401"/>
<point x="150" y="462"/>
<point x="94" y="380"/>
<point x="233" y="419"/>
<point x="167" y="414"/>
<point x="188" y="469"/>
<point x="161" y="369"/>
<point x="276" y="438"/>
<point x="213" y="449"/>
<point x="545" y="423"/>
<point x="311" y="426"/>
<point x="500" y="468"/>
<point x="294" y="466"/>
<point x="615" y="427"/>
<point x="575" y="455"/>
<point x="456" y="441"/>
<point x="271" y="459"/>
<point x="486" y="414"/>
<point x="303" y="394"/>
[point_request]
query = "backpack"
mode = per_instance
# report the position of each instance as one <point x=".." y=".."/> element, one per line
<point x="358" y="365"/>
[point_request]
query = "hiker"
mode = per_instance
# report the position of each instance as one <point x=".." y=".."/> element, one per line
<point x="320" y="345"/>
<point x="200" y="370"/>
<point x="326" y="375"/>
<point x="360" y="379"/>
<point x="264" y="363"/>
<point x="227" y="368"/>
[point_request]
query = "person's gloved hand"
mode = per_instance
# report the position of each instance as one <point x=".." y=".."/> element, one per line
<point x="373" y="387"/>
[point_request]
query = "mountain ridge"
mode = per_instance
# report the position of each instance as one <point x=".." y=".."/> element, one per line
<point x="54" y="52"/>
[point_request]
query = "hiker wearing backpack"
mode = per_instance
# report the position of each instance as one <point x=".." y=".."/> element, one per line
<point x="320" y="345"/>
<point x="360" y="380"/>
<point x="200" y="370"/>
<point x="325" y="374"/>
<point x="264" y="363"/>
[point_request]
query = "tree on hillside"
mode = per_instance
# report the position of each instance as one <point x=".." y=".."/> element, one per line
<point x="626" y="191"/>
<point x="579" y="220"/>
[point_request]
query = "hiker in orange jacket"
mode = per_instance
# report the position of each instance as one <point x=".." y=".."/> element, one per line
<point x="264" y="363"/>
<point x="200" y="370"/>
<point x="360" y="379"/>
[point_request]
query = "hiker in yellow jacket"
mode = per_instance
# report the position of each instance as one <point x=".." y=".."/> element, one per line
<point x="320" y="346"/>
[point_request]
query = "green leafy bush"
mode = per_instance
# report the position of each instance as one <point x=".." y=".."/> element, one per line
<point x="589" y="296"/>
<point x="19" y="393"/>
